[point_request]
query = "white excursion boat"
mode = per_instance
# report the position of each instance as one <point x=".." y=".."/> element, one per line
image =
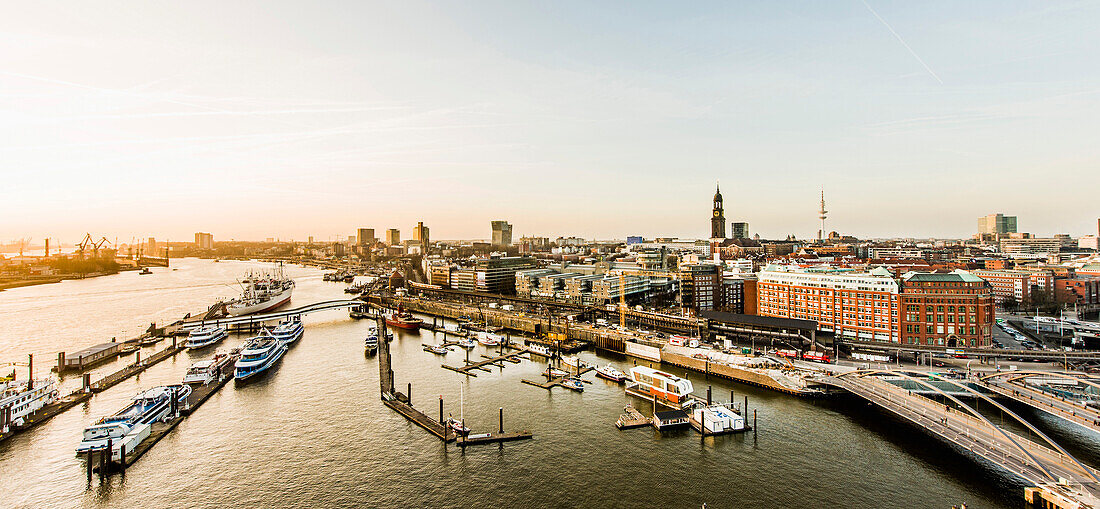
<point x="289" y="331"/>
<point x="257" y="355"/>
<point x="489" y="339"/>
<point x="669" y="389"/>
<point x="262" y="291"/>
<point x="205" y="336"/>
<point x="19" y="400"/>
<point x="204" y="372"/>
<point x="370" y="344"/>
<point x="542" y="350"/>
<point x="147" y="407"/>
<point x="609" y="372"/>
<point x="201" y="373"/>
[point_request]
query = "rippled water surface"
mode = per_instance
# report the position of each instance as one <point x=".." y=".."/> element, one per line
<point x="313" y="432"/>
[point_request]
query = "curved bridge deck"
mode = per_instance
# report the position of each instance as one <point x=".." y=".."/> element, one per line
<point x="1030" y="461"/>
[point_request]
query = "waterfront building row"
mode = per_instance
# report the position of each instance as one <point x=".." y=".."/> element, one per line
<point x="953" y="309"/>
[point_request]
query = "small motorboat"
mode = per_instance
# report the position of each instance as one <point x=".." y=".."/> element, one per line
<point x="489" y="339"/>
<point x="371" y="344"/>
<point x="457" y="427"/>
<point x="144" y="271"/>
<point x="573" y="383"/>
<point x="610" y="373"/>
<point x="554" y="372"/>
<point x="467" y="343"/>
<point x="438" y="349"/>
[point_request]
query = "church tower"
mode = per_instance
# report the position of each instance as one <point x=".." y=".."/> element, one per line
<point x="718" y="219"/>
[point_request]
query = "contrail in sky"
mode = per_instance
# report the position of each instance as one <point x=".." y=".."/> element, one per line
<point x="902" y="41"/>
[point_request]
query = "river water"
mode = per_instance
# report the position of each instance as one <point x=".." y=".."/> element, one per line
<point x="313" y="432"/>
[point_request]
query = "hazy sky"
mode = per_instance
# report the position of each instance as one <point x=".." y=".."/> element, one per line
<point x="598" y="119"/>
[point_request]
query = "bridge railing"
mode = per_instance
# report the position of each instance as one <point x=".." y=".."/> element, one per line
<point x="886" y="390"/>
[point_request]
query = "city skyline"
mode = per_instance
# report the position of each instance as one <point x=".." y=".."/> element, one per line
<point x="915" y="119"/>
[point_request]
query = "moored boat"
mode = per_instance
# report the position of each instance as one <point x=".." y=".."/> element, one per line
<point x="205" y="336"/>
<point x="573" y="383"/>
<point x="488" y="338"/>
<point x="370" y="344"/>
<point x="147" y="407"/>
<point x="19" y="400"/>
<point x="542" y="350"/>
<point x="438" y="349"/>
<point x="204" y="372"/>
<point x="289" y="331"/>
<point x="262" y="291"/>
<point x="257" y="355"/>
<point x="554" y="372"/>
<point x="457" y="427"/>
<point x="609" y="372"/>
<point x="403" y="319"/>
<point x="574" y="361"/>
<point x="467" y="343"/>
<point x="649" y="383"/>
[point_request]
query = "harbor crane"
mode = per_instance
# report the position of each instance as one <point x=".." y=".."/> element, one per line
<point x="87" y="243"/>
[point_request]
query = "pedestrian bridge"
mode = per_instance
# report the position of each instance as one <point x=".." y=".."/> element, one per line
<point x="1042" y="462"/>
<point x="1062" y="394"/>
<point x="276" y="315"/>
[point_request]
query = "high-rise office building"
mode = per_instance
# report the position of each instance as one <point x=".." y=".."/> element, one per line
<point x="995" y="225"/>
<point x="204" y="240"/>
<point x="739" y="230"/>
<point x="366" y="237"/>
<point x="393" y="237"/>
<point x="420" y="234"/>
<point x="502" y="233"/>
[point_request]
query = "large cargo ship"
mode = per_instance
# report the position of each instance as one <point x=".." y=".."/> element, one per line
<point x="262" y="291"/>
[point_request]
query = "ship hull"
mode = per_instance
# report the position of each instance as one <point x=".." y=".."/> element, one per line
<point x="268" y="305"/>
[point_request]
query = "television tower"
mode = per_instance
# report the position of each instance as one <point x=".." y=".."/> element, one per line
<point x="821" y="214"/>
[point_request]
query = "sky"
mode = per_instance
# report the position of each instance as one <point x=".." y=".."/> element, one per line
<point x="283" y="119"/>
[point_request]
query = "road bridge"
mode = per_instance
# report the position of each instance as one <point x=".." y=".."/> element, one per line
<point x="968" y="429"/>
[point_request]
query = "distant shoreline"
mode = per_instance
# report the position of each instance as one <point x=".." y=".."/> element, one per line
<point x="20" y="283"/>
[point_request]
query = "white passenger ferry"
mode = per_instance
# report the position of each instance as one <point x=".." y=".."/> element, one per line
<point x="289" y="331"/>
<point x="20" y="400"/>
<point x="669" y="389"/>
<point x="147" y="407"/>
<point x="257" y="355"/>
<point x="205" y="336"/>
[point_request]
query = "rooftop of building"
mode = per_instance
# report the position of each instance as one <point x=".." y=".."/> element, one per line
<point x="955" y="276"/>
